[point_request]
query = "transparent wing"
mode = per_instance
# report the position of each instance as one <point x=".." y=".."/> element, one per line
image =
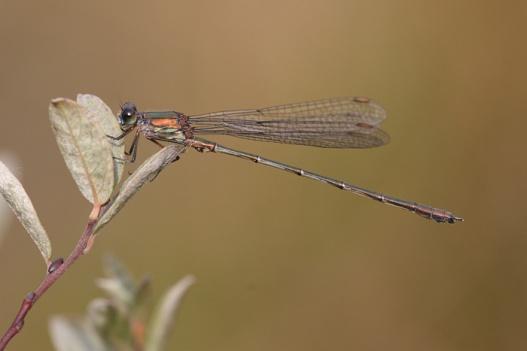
<point x="347" y="122"/>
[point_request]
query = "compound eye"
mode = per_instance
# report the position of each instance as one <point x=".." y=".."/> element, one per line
<point x="128" y="114"/>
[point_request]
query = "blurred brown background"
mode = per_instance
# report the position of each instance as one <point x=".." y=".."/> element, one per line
<point x="284" y="263"/>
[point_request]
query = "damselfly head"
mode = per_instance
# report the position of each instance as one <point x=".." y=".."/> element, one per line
<point x="128" y="115"/>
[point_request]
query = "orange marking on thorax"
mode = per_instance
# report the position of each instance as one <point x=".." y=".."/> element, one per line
<point x="166" y="122"/>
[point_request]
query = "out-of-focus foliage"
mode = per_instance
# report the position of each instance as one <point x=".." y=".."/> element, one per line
<point x="117" y="322"/>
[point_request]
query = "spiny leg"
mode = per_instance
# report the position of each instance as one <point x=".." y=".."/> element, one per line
<point x="119" y="137"/>
<point x="133" y="148"/>
<point x="156" y="142"/>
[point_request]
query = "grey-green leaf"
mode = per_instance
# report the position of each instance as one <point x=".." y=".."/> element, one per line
<point x="100" y="114"/>
<point x="113" y="268"/>
<point x="4" y="217"/>
<point x="101" y="314"/>
<point x="85" y="149"/>
<point x="119" y="294"/>
<point x="17" y="198"/>
<point x="161" y="324"/>
<point x="69" y="335"/>
<point x="147" y="171"/>
<point x="5" y="214"/>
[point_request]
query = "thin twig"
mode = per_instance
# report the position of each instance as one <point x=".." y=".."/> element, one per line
<point x="50" y="279"/>
<point x="98" y="217"/>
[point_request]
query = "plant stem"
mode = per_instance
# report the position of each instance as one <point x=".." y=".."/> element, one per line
<point x="50" y="279"/>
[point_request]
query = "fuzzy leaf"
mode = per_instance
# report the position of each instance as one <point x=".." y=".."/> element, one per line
<point x="116" y="270"/>
<point x="100" y="114"/>
<point x="147" y="171"/>
<point x="4" y="217"/>
<point x="5" y="214"/>
<point x="17" y="198"/>
<point x="161" y="324"/>
<point x="85" y="149"/>
<point x="101" y="314"/>
<point x="68" y="335"/>
<point x="118" y="293"/>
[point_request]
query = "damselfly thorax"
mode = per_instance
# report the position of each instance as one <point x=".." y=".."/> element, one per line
<point x="176" y="129"/>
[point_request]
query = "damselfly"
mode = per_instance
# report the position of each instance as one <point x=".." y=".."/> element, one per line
<point x="348" y="122"/>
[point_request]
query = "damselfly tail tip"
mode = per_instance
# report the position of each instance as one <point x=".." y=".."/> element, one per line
<point x="456" y="219"/>
<point x="449" y="218"/>
<point x="440" y="216"/>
